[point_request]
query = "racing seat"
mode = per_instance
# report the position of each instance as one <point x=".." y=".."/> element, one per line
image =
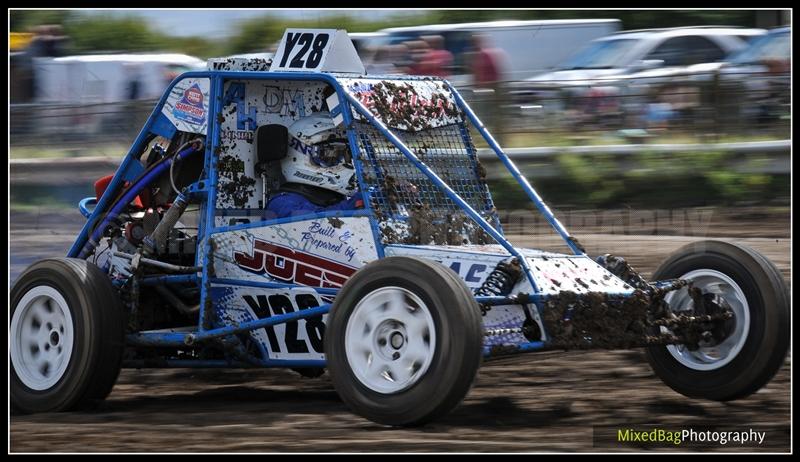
<point x="271" y="145"/>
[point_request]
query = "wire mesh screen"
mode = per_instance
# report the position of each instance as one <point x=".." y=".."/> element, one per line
<point x="410" y="208"/>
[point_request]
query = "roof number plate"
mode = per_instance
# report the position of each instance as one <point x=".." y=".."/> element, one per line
<point x="316" y="50"/>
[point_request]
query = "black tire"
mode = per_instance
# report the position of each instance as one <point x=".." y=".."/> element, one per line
<point x="457" y="352"/>
<point x="97" y="346"/>
<point x="767" y="341"/>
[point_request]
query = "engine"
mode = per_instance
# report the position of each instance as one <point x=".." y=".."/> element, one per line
<point x="154" y="235"/>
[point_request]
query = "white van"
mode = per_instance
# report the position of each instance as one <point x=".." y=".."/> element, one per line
<point x="92" y="94"/>
<point x="532" y="47"/>
<point x="92" y="79"/>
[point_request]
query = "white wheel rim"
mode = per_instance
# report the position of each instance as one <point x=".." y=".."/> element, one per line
<point x="712" y="357"/>
<point x="390" y="340"/>
<point x="41" y="338"/>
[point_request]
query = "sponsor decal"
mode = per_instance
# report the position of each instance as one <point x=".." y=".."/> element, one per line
<point x="190" y="107"/>
<point x="360" y="87"/>
<point x="323" y="237"/>
<point x="299" y="146"/>
<point x="307" y="177"/>
<point x="291" y="265"/>
<point x="290" y="340"/>
<point x="472" y="274"/>
<point x="236" y="135"/>
<point x="284" y="102"/>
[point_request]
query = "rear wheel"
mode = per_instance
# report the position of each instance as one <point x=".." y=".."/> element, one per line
<point x="404" y="341"/>
<point x="66" y="336"/>
<point x="744" y="352"/>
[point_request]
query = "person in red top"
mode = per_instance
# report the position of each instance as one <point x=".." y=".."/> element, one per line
<point x="418" y="51"/>
<point x="487" y="62"/>
<point x="438" y="61"/>
<point x="487" y="72"/>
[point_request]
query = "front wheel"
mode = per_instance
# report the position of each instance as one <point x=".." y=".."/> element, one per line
<point x="745" y="352"/>
<point x="404" y="341"/>
<point x="66" y="336"/>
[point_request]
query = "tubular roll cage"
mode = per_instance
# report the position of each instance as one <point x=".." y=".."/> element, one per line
<point x="205" y="189"/>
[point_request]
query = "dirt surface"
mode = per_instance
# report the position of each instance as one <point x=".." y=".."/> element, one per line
<point x="537" y="402"/>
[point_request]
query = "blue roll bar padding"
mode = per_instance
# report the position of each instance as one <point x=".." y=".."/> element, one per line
<point x="83" y="206"/>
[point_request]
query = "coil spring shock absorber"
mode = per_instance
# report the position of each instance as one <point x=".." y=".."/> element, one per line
<point x="500" y="281"/>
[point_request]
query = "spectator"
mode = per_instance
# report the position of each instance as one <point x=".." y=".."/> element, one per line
<point x="659" y="113"/>
<point x="133" y="90"/>
<point x="488" y="65"/>
<point x="418" y="49"/>
<point x="402" y="58"/>
<point x="49" y="41"/>
<point x="438" y="61"/>
<point x="487" y="62"/>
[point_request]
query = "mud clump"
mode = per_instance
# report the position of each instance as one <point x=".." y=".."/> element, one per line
<point x="389" y="235"/>
<point x="427" y="228"/>
<point x="594" y="320"/>
<point x="621" y="269"/>
<point x="599" y="320"/>
<point x="390" y="189"/>
<point x="480" y="170"/>
<point x="234" y="186"/>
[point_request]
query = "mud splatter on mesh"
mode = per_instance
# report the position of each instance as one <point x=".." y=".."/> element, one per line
<point x="410" y="207"/>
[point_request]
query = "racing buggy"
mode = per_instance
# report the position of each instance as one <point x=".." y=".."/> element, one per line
<point x="390" y="269"/>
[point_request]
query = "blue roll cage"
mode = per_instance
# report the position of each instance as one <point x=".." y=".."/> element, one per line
<point x="206" y="191"/>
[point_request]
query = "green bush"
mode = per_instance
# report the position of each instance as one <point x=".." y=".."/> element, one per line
<point x="651" y="179"/>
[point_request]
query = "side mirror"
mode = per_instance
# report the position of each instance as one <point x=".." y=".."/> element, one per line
<point x="271" y="143"/>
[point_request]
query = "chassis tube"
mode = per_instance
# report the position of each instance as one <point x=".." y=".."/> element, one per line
<point x="169" y="279"/>
<point x="514" y="349"/>
<point x="218" y="363"/>
<point x="174" y="339"/>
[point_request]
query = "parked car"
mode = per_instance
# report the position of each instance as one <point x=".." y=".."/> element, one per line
<point x="626" y="59"/>
<point x="749" y="85"/>
<point x="762" y="74"/>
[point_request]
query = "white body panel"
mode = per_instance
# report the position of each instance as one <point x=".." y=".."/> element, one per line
<point x="313" y="253"/>
<point x="247" y="105"/>
<point x="247" y="254"/>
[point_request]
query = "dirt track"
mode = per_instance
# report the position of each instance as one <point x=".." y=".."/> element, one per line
<point x="544" y="402"/>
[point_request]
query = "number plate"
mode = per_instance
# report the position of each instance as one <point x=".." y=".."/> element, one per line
<point x="316" y="50"/>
